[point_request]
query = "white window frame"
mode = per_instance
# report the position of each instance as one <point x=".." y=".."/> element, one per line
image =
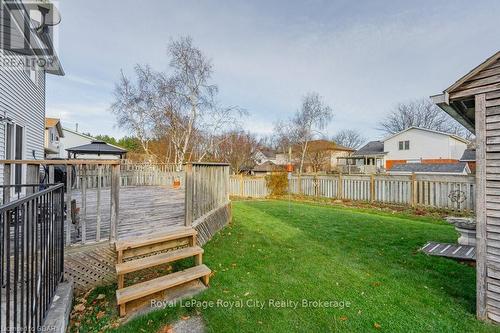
<point x="12" y="150"/>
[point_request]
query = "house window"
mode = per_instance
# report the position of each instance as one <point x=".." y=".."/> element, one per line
<point x="404" y="145"/>
<point x="14" y="151"/>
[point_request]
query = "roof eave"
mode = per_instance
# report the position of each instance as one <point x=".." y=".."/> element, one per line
<point x="443" y="102"/>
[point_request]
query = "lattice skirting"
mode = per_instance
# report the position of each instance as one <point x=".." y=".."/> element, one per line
<point x="90" y="265"/>
<point x="93" y="265"/>
<point x="209" y="224"/>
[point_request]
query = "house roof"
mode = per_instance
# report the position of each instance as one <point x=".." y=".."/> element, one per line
<point x="267" y="166"/>
<point x="54" y="122"/>
<point x="268" y="152"/>
<point x="97" y="147"/>
<point x="322" y="145"/>
<point x="469" y="155"/>
<point x="456" y="137"/>
<point x="458" y="99"/>
<point x="371" y="148"/>
<point x="459" y="167"/>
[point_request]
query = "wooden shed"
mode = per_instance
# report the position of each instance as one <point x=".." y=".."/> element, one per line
<point x="474" y="101"/>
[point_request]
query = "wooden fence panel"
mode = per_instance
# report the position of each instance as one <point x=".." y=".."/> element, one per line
<point x="438" y="191"/>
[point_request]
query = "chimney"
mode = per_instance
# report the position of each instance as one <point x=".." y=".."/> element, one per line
<point x="76" y="128"/>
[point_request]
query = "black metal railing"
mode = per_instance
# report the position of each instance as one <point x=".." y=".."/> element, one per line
<point x="31" y="257"/>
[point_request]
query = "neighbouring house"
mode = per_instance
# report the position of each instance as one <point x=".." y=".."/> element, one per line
<point x="72" y="139"/>
<point x="446" y="169"/>
<point x="53" y="134"/>
<point x="321" y="155"/>
<point x="22" y="89"/>
<point x="266" y="168"/>
<point x="423" y="145"/>
<point x="265" y="155"/>
<point x="412" y="145"/>
<point x="367" y="159"/>
<point x="469" y="156"/>
<point x="474" y="101"/>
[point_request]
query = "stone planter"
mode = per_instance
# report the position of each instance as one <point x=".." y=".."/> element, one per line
<point x="466" y="226"/>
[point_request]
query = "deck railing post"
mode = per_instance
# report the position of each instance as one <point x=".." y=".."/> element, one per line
<point x="7" y="181"/>
<point x="115" y="201"/>
<point x="188" y="196"/>
<point x="98" y="207"/>
<point x="84" y="204"/>
<point x="69" y="171"/>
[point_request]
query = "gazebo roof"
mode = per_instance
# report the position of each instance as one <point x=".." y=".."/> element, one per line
<point x="97" y="147"/>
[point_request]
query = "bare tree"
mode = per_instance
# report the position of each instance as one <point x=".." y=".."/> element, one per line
<point x="349" y="138"/>
<point x="176" y="105"/>
<point x="307" y="122"/>
<point x="420" y="113"/>
<point x="136" y="104"/>
<point x="238" y="149"/>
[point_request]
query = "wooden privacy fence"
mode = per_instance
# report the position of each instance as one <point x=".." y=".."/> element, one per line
<point x="447" y="192"/>
<point x="206" y="188"/>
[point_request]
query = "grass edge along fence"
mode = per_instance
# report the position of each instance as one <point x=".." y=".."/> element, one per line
<point x="437" y="191"/>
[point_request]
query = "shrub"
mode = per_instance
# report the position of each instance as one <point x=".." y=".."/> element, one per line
<point x="277" y="183"/>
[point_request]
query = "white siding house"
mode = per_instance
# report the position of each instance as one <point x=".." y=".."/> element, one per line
<point x="416" y="144"/>
<point x="73" y="139"/>
<point x="22" y="92"/>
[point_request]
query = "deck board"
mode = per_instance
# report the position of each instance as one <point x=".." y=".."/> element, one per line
<point x="144" y="210"/>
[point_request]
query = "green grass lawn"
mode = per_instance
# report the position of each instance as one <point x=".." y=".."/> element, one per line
<point x="366" y="260"/>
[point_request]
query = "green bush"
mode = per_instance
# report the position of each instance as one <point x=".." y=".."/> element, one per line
<point x="277" y="183"/>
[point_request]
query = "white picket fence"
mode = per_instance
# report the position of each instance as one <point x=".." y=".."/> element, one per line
<point x="447" y="192"/>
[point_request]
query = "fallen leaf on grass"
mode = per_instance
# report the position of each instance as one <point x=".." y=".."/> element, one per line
<point x="100" y="296"/>
<point x="185" y="317"/>
<point x="377" y="326"/>
<point x="376" y="284"/>
<point x="166" y="329"/>
<point x="343" y="318"/>
<point x="100" y="314"/>
<point x="247" y="293"/>
<point x="79" y="307"/>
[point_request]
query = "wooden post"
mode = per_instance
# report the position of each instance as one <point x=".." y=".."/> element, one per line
<point x="7" y="171"/>
<point x="339" y="187"/>
<point x="69" y="171"/>
<point x="414" y="190"/>
<point x="51" y="174"/>
<point x="115" y="201"/>
<point x="372" y="188"/>
<point x="188" y="196"/>
<point x="242" y="186"/>
<point x="481" y="235"/>
<point x="299" y="183"/>
<point x="98" y="204"/>
<point x="84" y="204"/>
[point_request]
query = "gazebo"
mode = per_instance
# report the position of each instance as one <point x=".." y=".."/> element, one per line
<point x="474" y="101"/>
<point x="96" y="148"/>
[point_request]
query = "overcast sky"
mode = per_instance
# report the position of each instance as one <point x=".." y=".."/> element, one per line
<point x="362" y="56"/>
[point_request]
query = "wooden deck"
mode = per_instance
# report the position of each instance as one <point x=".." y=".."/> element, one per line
<point x="144" y="210"/>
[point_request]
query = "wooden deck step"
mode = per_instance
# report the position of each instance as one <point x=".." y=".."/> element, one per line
<point x="157" y="238"/>
<point x="142" y="289"/>
<point x="155" y="260"/>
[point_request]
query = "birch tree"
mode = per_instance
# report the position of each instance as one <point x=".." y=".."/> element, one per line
<point x="313" y="116"/>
